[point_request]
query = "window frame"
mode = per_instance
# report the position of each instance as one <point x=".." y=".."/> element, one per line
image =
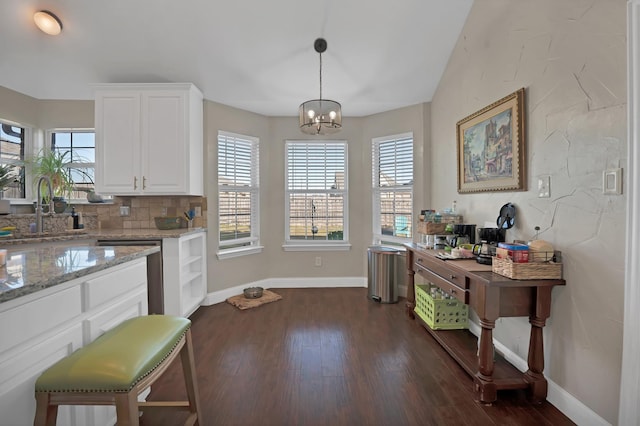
<point x="324" y="244"/>
<point x="377" y="189"/>
<point x="254" y="245"/>
<point x="27" y="150"/>
<point x="74" y="165"/>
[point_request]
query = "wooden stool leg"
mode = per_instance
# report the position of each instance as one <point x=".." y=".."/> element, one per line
<point x="189" y="371"/>
<point x="46" y="414"/>
<point x="127" y="409"/>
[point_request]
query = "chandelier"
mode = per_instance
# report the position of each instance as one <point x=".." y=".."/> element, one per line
<point x="320" y="116"/>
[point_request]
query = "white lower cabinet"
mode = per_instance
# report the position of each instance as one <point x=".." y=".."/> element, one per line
<point x="184" y="273"/>
<point x="44" y="327"/>
<point x="20" y="369"/>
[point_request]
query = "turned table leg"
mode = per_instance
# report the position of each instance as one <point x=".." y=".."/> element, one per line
<point x="411" y="295"/>
<point x="535" y="359"/>
<point x="534" y="376"/>
<point x="485" y="388"/>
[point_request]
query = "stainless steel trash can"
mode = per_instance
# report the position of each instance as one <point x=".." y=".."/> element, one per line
<point x="383" y="265"/>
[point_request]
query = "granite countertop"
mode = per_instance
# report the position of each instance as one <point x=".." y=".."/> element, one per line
<point x="30" y="268"/>
<point x="141" y="234"/>
<point x="103" y="234"/>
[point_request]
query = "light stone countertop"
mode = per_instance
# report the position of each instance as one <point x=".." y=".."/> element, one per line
<point x="103" y="234"/>
<point x="34" y="267"/>
<point x="141" y="234"/>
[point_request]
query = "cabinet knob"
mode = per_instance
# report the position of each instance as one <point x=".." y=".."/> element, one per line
<point x="452" y="277"/>
<point x="453" y="291"/>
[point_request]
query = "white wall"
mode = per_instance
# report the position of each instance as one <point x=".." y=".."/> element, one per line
<point x="570" y="55"/>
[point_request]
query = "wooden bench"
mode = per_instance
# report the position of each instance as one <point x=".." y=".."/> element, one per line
<point x="116" y="367"/>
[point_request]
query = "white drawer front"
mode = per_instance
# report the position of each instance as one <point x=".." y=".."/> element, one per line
<point x="116" y="282"/>
<point x="134" y="305"/>
<point x="25" y="323"/>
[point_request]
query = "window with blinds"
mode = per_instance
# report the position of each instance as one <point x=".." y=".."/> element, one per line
<point x="393" y="188"/>
<point x="238" y="192"/>
<point x="316" y="192"/>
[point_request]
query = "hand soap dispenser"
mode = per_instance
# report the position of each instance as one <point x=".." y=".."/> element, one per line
<point x="74" y="216"/>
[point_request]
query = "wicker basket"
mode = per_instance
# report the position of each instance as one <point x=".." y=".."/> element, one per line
<point x="431" y="228"/>
<point x="527" y="271"/>
<point x="440" y="314"/>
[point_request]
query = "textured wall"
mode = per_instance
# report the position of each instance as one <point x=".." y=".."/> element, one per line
<point x="570" y="55"/>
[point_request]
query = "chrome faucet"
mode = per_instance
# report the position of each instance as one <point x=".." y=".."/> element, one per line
<point x="39" y="218"/>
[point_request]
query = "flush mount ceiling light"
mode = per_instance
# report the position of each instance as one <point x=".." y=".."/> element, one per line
<point x="48" y="22"/>
<point x="320" y="116"/>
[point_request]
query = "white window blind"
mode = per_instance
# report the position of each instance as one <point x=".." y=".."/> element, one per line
<point x="238" y="191"/>
<point x="316" y="191"/>
<point x="392" y="168"/>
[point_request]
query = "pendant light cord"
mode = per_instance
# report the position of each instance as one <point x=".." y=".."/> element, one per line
<point x="320" y="76"/>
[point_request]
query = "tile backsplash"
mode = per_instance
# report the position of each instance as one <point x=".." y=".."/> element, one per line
<point x="142" y="211"/>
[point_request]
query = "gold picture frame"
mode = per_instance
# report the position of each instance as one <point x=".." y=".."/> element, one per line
<point x="491" y="147"/>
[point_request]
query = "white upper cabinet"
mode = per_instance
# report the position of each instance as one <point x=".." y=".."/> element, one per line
<point x="149" y="139"/>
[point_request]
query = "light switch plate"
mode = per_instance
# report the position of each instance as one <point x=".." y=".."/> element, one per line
<point x="544" y="186"/>
<point x="612" y="182"/>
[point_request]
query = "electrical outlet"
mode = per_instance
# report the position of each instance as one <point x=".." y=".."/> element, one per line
<point x="164" y="211"/>
<point x="318" y="261"/>
<point x="544" y="186"/>
<point x="124" y="210"/>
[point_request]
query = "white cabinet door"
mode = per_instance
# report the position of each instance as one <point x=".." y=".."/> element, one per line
<point x="149" y="140"/>
<point x="19" y="371"/>
<point x="164" y="139"/>
<point x="117" y="125"/>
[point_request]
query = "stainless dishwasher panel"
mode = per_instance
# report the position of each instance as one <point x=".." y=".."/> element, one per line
<point x="155" y="286"/>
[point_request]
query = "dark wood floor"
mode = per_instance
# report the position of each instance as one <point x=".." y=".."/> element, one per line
<point x="331" y="357"/>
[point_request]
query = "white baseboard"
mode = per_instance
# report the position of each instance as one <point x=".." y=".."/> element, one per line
<point x="561" y="399"/>
<point x="222" y="295"/>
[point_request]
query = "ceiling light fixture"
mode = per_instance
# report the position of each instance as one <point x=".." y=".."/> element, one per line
<point x="48" y="22"/>
<point x="320" y="116"/>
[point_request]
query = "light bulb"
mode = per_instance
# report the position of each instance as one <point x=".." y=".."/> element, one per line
<point x="311" y="113"/>
<point x="332" y="115"/>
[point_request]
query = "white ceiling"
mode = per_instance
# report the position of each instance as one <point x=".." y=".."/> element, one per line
<point x="256" y="55"/>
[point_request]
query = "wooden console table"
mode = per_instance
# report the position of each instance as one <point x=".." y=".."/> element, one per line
<point x="491" y="296"/>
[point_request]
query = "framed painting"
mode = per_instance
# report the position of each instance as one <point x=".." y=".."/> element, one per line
<point x="491" y="147"/>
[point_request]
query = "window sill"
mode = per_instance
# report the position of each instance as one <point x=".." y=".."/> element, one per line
<point x="320" y="246"/>
<point x="237" y="252"/>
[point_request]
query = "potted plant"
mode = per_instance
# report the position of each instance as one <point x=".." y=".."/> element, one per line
<point x="54" y="165"/>
<point x="7" y="176"/>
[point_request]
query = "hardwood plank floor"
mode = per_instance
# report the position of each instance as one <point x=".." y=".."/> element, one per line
<point x="331" y="357"/>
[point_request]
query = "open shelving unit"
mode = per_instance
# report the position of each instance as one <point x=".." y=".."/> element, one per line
<point x="184" y="273"/>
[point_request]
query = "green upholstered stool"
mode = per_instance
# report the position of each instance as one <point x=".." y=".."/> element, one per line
<point x="119" y="365"/>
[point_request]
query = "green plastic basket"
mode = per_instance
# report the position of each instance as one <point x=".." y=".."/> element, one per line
<point x="440" y="314"/>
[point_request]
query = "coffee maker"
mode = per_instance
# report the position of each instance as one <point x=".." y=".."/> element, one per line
<point x="489" y="239"/>
<point x="463" y="234"/>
